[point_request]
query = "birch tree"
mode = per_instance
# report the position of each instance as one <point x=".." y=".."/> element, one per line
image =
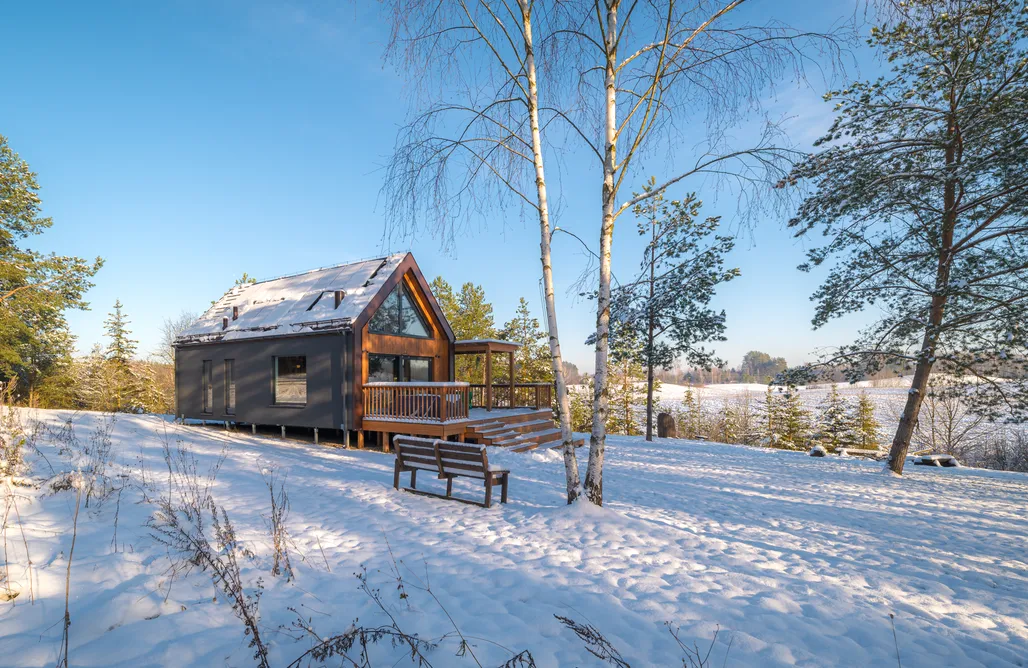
<point x="477" y="143"/>
<point x="620" y="76"/>
<point x="921" y="195"/>
<point x="640" y="71"/>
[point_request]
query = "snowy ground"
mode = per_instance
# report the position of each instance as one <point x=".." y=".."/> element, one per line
<point x="799" y="560"/>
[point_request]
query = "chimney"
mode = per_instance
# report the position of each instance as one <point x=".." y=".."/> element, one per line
<point x="235" y="312"/>
<point x="339" y="298"/>
<point x="224" y="323"/>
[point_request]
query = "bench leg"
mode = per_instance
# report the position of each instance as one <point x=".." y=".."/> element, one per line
<point x="414" y="479"/>
<point x="449" y="487"/>
<point x="503" y="489"/>
<point x="488" y="491"/>
<point x="396" y="474"/>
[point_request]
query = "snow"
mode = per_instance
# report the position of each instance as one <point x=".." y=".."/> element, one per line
<point x="799" y="560"/>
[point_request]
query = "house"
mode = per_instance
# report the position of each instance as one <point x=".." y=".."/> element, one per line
<point x="362" y="348"/>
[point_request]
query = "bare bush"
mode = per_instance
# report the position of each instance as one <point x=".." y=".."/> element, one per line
<point x="598" y="645"/>
<point x="198" y="534"/>
<point x="277" y="524"/>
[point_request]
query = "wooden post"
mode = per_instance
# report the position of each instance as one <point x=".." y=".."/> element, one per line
<point x="443" y="396"/>
<point x="513" y="404"/>
<point x="360" y="439"/>
<point x="283" y="431"/>
<point x="488" y="379"/>
<point x="315" y="436"/>
<point x="346" y="438"/>
<point x="385" y="441"/>
<point x="253" y="429"/>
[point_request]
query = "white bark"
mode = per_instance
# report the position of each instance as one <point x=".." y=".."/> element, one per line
<point x="545" y="232"/>
<point x="598" y="437"/>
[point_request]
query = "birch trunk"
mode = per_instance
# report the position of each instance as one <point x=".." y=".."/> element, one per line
<point x="545" y="231"/>
<point x="598" y="437"/>
<point x="649" y="329"/>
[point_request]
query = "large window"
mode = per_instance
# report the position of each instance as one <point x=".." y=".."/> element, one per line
<point x="391" y="368"/>
<point x="207" y="386"/>
<point x="230" y="387"/>
<point x="291" y="380"/>
<point x="399" y="315"/>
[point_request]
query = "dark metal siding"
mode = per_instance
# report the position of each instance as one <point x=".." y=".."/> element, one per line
<point x="326" y="370"/>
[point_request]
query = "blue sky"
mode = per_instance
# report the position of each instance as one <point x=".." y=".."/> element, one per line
<point x="188" y="142"/>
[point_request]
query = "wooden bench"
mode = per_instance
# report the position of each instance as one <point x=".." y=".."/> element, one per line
<point x="936" y="460"/>
<point x="448" y="460"/>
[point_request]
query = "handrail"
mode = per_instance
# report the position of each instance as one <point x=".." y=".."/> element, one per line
<point x="417" y="402"/>
<point x="526" y="395"/>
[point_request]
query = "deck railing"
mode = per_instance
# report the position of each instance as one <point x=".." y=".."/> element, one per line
<point x="526" y="395"/>
<point x="416" y="402"/>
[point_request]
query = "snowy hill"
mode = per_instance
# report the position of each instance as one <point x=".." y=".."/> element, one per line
<point x="798" y="560"/>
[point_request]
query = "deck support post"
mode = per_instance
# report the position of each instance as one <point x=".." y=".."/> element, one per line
<point x="385" y="441"/>
<point x="253" y="429"/>
<point x="283" y="432"/>
<point x="488" y="380"/>
<point x="315" y="436"/>
<point x="346" y="438"/>
<point x="513" y="404"/>
<point x="360" y="439"/>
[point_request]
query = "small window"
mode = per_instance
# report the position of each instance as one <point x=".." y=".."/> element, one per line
<point x="230" y="387"/>
<point x="208" y="386"/>
<point x="383" y="368"/>
<point x="417" y="369"/>
<point x="291" y="380"/>
<point x="399" y="316"/>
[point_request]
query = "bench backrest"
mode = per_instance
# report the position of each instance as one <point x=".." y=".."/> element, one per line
<point x="461" y="459"/>
<point x="416" y="453"/>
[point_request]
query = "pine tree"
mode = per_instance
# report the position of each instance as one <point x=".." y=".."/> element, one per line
<point x="35" y="289"/>
<point x="920" y="192"/>
<point x="835" y="425"/>
<point x="865" y="424"/>
<point x="532" y="359"/>
<point x="120" y="352"/>
<point x="666" y="308"/>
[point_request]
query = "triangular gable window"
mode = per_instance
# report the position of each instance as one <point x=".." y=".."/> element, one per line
<point x="399" y="316"/>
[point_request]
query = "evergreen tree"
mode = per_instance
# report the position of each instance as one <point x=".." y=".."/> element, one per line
<point x="626" y="391"/>
<point x="921" y="194"/>
<point x="689" y="425"/>
<point x="532" y="359"/>
<point x="470" y="317"/>
<point x="245" y="279"/>
<point x="666" y="308"/>
<point x="119" y="354"/>
<point x="769" y="416"/>
<point x="794" y="429"/>
<point x="865" y="424"/>
<point x="835" y="425"/>
<point x="35" y="289"/>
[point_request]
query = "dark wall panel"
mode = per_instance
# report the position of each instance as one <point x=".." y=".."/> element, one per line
<point x="326" y="369"/>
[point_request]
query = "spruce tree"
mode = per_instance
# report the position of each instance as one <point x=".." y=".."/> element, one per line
<point x="532" y="359"/>
<point x="835" y="425"/>
<point x="120" y="352"/>
<point x="794" y="421"/>
<point x="769" y="418"/>
<point x="866" y="426"/>
<point x="626" y="391"/>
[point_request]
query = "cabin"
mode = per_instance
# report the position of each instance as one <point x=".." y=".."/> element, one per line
<point x="361" y="348"/>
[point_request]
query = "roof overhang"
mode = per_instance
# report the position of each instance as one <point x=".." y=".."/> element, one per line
<point x="483" y="346"/>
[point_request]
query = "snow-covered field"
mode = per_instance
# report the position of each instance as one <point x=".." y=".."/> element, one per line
<point x="800" y="561"/>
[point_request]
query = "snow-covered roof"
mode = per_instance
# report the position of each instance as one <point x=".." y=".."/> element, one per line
<point x="298" y="304"/>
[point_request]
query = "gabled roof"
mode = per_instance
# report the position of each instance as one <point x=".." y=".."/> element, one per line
<point x="291" y="305"/>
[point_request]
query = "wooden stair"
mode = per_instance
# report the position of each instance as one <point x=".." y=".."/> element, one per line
<point x="520" y="431"/>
